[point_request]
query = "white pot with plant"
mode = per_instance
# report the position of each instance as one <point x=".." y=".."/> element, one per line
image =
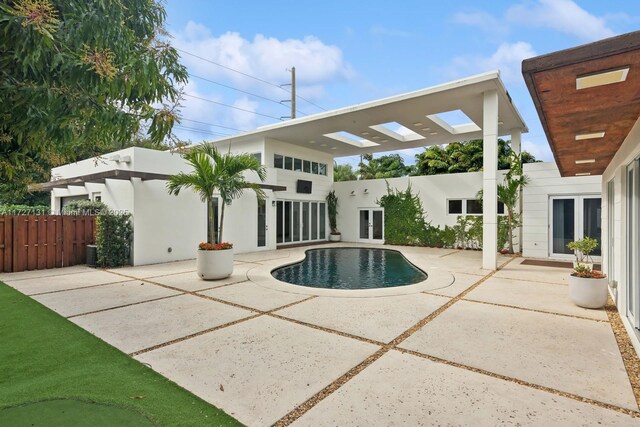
<point x="582" y="249"/>
<point x="332" y="208"/>
<point x="587" y="287"/>
<point x="214" y="173"/>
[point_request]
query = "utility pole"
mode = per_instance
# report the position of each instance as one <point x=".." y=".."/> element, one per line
<point x="293" y="92"/>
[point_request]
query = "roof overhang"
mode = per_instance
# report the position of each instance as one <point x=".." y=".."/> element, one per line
<point x="588" y="99"/>
<point x="101" y="177"/>
<point x="330" y="131"/>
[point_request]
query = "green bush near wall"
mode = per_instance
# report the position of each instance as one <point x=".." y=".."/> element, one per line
<point x="405" y="224"/>
<point x="84" y="207"/>
<point x="113" y="239"/>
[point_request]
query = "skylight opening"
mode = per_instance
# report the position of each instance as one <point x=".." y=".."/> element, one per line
<point x="396" y="131"/>
<point x="602" y="78"/>
<point x="591" y="135"/>
<point x="351" y="139"/>
<point x="454" y="122"/>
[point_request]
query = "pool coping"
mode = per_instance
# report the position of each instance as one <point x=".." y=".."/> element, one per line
<point x="436" y="278"/>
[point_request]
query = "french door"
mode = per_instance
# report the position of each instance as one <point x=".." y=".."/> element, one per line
<point x="371" y="225"/>
<point x="572" y="218"/>
<point x="633" y="246"/>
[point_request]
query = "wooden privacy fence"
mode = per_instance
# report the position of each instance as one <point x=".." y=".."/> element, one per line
<point x="37" y="242"/>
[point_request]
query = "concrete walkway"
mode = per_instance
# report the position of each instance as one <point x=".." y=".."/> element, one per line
<point x="478" y="349"/>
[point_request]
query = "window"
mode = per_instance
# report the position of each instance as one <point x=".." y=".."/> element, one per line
<point x="322" y="169"/>
<point x="258" y="157"/>
<point x="278" y="161"/>
<point x="314" y="168"/>
<point x="306" y="166"/>
<point x="288" y="163"/>
<point x="469" y="207"/>
<point x="455" y="207"/>
<point x="474" y="207"/>
<point x="297" y="165"/>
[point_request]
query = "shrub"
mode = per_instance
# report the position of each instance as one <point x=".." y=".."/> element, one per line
<point x="206" y="246"/>
<point x="404" y="218"/>
<point x="84" y="207"/>
<point x="113" y="239"/>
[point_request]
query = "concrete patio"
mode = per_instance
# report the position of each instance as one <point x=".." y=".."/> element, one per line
<point x="472" y="347"/>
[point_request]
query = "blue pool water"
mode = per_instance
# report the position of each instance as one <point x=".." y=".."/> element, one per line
<point x="351" y="268"/>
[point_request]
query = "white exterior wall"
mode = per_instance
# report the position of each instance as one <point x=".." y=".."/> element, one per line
<point x="545" y="181"/>
<point x="616" y="171"/>
<point x="434" y="192"/>
<point x="160" y="220"/>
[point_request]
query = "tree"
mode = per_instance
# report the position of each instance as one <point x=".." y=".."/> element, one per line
<point x="79" y="75"/>
<point x="462" y="157"/>
<point x="343" y="173"/>
<point x="217" y="173"/>
<point x="388" y="166"/>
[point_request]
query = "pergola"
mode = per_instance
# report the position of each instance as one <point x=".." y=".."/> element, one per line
<point x="412" y="120"/>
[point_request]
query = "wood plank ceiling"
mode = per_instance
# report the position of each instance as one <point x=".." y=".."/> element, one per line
<point x="566" y="111"/>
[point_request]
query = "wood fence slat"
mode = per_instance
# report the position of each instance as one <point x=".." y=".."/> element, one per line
<point x="58" y="222"/>
<point x="42" y="242"/>
<point x="32" y="242"/>
<point x="50" y="251"/>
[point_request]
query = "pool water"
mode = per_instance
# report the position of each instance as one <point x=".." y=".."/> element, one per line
<point x="351" y="268"/>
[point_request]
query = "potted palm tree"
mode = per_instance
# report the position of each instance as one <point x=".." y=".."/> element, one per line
<point x="332" y="208"/>
<point x="217" y="174"/>
<point x="587" y="287"/>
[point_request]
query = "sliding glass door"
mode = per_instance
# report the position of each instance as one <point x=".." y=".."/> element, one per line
<point x="633" y="246"/>
<point x="572" y="218"/>
<point x="300" y="221"/>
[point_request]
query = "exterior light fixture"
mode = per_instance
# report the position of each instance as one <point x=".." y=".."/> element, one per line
<point x="583" y="174"/>
<point x="582" y="162"/>
<point x="602" y="78"/>
<point x="591" y="135"/>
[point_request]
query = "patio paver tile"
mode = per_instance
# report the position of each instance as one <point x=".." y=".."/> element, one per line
<point x="568" y="354"/>
<point x="84" y="300"/>
<point x="461" y="283"/>
<point x="154" y="270"/>
<point x="255" y="296"/>
<point x="535" y="273"/>
<point x="34" y="274"/>
<point x="141" y="326"/>
<point x="60" y="282"/>
<point x="381" y="319"/>
<point x="532" y="295"/>
<point x="258" y="370"/>
<point x="402" y="389"/>
<point x="191" y="282"/>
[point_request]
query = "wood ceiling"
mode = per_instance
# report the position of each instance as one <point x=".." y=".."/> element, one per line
<point x="566" y="112"/>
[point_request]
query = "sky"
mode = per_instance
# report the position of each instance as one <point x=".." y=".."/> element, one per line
<point x="239" y="53"/>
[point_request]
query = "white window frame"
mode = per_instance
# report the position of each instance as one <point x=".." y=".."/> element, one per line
<point x="464" y="207"/>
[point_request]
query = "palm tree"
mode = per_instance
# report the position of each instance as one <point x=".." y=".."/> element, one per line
<point x="217" y="173"/>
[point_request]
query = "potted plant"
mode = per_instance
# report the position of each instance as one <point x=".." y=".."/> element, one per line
<point x="587" y="287"/>
<point x="582" y="249"/>
<point x="223" y="174"/>
<point x="332" y="207"/>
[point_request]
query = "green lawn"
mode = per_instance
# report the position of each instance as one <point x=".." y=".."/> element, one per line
<point x="43" y="356"/>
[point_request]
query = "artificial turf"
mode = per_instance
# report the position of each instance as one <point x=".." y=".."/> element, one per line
<point x="43" y="357"/>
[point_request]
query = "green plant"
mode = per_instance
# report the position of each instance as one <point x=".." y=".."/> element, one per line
<point x="24" y="210"/>
<point x="206" y="246"/>
<point x="332" y="209"/>
<point x="586" y="272"/>
<point x="214" y="172"/>
<point x="113" y="239"/>
<point x="448" y="237"/>
<point x="84" y="207"/>
<point x="582" y="248"/>
<point x="404" y="218"/>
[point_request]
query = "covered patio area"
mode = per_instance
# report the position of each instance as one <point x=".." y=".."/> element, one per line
<point x="488" y="347"/>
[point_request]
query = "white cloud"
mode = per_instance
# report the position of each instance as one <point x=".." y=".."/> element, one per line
<point x="507" y="58"/>
<point x="561" y="15"/>
<point x="244" y="119"/>
<point x="483" y="20"/>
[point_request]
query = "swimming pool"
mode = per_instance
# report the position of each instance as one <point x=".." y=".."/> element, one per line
<point x="351" y="268"/>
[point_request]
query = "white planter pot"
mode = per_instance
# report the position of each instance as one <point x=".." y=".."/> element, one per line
<point x="214" y="265"/>
<point x="335" y="237"/>
<point x="588" y="293"/>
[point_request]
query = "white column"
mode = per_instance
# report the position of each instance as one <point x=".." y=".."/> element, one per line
<point x="489" y="181"/>
<point x="516" y="146"/>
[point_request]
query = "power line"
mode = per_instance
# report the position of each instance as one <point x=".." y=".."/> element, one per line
<point x="201" y="130"/>
<point x="238" y="90"/>
<point x="182" y="119"/>
<point x="248" y="75"/>
<point x="231" y="106"/>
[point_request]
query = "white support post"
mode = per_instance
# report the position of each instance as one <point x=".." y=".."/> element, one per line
<point x="516" y="146"/>
<point x="490" y="181"/>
